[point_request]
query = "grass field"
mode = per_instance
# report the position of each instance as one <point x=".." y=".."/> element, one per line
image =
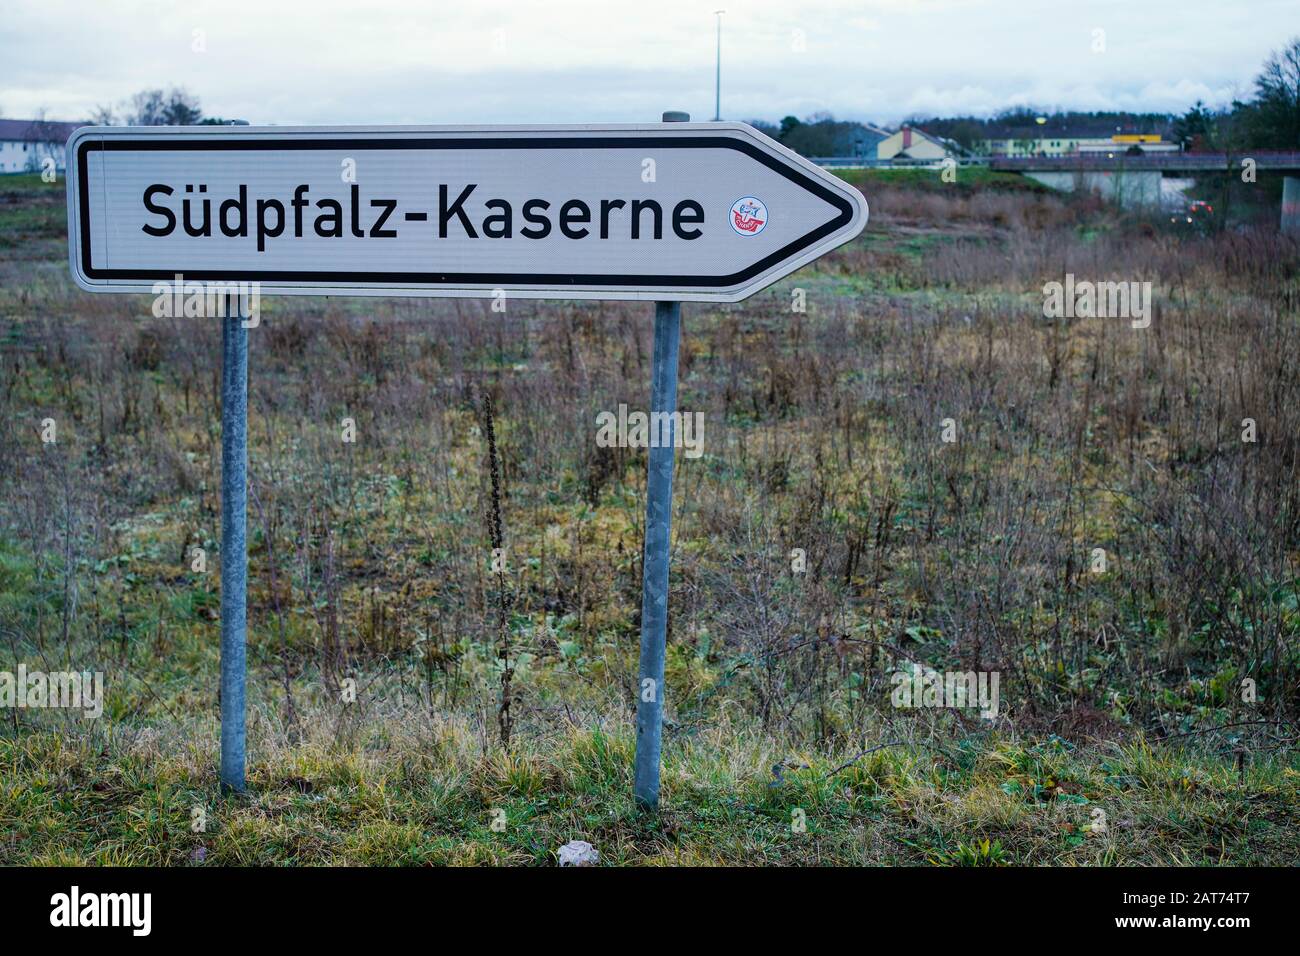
<point x="1124" y="734"/>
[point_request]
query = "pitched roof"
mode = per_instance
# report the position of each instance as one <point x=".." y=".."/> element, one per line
<point x="917" y="131"/>
<point x="875" y="130"/>
<point x="22" y="130"/>
<point x="937" y="140"/>
<point x="875" y="133"/>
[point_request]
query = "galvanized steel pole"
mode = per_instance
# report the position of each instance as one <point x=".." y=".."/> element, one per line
<point x="658" y="525"/>
<point x="717" y="89"/>
<point x="234" y="548"/>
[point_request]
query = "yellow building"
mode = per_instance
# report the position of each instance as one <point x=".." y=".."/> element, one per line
<point x="1031" y="141"/>
<point x="1123" y="142"/>
<point x="1052" y="145"/>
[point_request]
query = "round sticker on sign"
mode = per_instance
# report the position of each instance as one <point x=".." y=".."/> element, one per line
<point x="748" y="216"/>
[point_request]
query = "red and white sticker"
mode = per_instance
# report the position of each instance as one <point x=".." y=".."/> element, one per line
<point x="748" y="216"/>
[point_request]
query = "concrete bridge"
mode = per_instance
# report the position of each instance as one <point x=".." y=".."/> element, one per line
<point x="1173" y="162"/>
<point x="1152" y="179"/>
<point x="1147" y="179"/>
<point x="1265" y="161"/>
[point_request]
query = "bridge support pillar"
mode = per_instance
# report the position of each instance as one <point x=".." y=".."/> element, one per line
<point x="1291" y="205"/>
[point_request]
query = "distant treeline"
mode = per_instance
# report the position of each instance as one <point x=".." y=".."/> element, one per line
<point x="819" y="135"/>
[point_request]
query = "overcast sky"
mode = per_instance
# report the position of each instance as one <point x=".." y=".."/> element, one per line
<point x="481" y="61"/>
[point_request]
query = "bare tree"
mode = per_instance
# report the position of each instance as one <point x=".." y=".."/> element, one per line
<point x="45" y="139"/>
<point x="1277" y="99"/>
<point x="175" y="107"/>
<point x="146" y="109"/>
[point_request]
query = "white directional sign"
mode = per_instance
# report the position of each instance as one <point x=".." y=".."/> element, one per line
<point x="671" y="211"/>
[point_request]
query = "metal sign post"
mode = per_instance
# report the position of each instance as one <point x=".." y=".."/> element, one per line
<point x="654" y="577"/>
<point x="234" y="548"/>
<point x="658" y="529"/>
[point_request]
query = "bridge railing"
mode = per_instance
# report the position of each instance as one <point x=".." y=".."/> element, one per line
<point x="1090" y="162"/>
<point x="1264" y="159"/>
<point x="857" y="162"/>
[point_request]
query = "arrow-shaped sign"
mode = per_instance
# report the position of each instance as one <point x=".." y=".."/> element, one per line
<point x="672" y="211"/>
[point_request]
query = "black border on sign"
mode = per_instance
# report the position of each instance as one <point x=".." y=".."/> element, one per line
<point x="452" y="278"/>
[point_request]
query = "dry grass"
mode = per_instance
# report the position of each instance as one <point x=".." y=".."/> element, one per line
<point x="822" y="432"/>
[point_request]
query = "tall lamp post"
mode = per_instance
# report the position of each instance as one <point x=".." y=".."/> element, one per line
<point x="717" y="90"/>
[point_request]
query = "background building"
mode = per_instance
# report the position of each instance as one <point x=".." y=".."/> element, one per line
<point x="912" y="143"/>
<point x="25" y="144"/>
<point x="1049" y="140"/>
